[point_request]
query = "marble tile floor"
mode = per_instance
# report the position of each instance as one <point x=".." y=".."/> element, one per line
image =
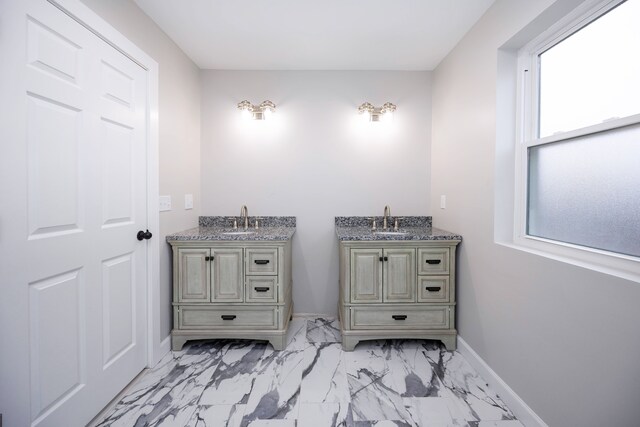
<point x="312" y="383"/>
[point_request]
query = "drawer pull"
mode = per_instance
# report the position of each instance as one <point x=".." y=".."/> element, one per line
<point x="434" y="261"/>
<point x="262" y="261"/>
<point x="399" y="316"/>
<point x="433" y="288"/>
<point x="228" y="316"/>
<point x="261" y="288"/>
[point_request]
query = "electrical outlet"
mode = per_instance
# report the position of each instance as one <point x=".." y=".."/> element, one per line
<point x="443" y="202"/>
<point x="188" y="201"/>
<point x="164" y="203"/>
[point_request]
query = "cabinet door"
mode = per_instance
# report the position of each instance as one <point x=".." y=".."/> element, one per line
<point x="366" y="275"/>
<point x="193" y="275"/>
<point x="227" y="275"/>
<point x="399" y="275"/>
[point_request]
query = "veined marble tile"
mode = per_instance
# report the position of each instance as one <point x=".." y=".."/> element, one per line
<point x="272" y="423"/>
<point x="325" y="415"/>
<point x="371" y="386"/>
<point x="507" y="423"/>
<point x="433" y="411"/>
<point x="410" y="373"/>
<point x="233" y="380"/>
<point x="475" y="400"/>
<point x="297" y="334"/>
<point x="217" y="416"/>
<point x="321" y="330"/>
<point x="324" y="378"/>
<point x="276" y="390"/>
<point x="172" y="398"/>
<point x="385" y="423"/>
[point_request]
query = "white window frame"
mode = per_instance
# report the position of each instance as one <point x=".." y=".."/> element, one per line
<point x="527" y="118"/>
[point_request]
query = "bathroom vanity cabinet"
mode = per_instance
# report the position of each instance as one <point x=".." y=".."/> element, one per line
<point x="238" y="288"/>
<point x="397" y="285"/>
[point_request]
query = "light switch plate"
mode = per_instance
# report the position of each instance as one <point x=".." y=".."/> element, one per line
<point x="443" y="202"/>
<point x="188" y="201"/>
<point x="164" y="203"/>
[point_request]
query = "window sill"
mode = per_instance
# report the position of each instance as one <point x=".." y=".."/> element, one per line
<point x="618" y="265"/>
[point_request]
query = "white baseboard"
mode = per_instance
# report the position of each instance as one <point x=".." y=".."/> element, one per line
<point x="165" y="347"/>
<point x="323" y="315"/>
<point x="518" y="406"/>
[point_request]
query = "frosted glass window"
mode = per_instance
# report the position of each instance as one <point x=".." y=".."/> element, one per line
<point x="586" y="191"/>
<point x="592" y="76"/>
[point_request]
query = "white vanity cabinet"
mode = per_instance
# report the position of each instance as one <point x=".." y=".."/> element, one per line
<point x="231" y="289"/>
<point x="397" y="289"/>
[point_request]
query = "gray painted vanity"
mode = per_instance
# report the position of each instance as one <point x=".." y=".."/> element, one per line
<point x="232" y="283"/>
<point x="396" y="283"/>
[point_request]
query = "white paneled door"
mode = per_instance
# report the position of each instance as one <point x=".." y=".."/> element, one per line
<point x="74" y="192"/>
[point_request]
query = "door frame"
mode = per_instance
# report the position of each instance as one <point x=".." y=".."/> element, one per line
<point x="86" y="17"/>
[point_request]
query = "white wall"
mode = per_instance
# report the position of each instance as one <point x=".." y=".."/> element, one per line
<point x="564" y="338"/>
<point x="316" y="160"/>
<point x="179" y="128"/>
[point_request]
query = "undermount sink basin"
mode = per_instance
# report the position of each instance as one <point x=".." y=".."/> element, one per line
<point x="390" y="233"/>
<point x="236" y="233"/>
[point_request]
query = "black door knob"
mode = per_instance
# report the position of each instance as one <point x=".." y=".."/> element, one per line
<point x="144" y="235"/>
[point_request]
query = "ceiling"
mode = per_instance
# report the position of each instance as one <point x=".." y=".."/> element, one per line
<point x="316" y="35"/>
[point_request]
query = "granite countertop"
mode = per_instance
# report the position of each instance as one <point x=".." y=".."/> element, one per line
<point x="217" y="229"/>
<point x="410" y="228"/>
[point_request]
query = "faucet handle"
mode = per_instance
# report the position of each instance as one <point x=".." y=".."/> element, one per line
<point x="256" y="225"/>
<point x="373" y="223"/>
<point x="235" y="224"/>
<point x="395" y="223"/>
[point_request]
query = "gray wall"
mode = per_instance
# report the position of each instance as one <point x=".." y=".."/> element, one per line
<point x="564" y="338"/>
<point x="179" y="129"/>
<point x="316" y="160"/>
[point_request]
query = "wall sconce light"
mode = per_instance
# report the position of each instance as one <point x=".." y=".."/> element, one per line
<point x="257" y="112"/>
<point x="372" y="114"/>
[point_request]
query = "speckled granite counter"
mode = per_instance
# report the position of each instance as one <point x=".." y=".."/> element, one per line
<point x="411" y="228"/>
<point x="219" y="228"/>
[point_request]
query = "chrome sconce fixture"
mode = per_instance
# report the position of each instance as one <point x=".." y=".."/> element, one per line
<point x="257" y="112"/>
<point x="373" y="114"/>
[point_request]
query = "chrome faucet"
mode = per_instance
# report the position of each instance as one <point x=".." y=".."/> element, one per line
<point x="385" y="219"/>
<point x="244" y="214"/>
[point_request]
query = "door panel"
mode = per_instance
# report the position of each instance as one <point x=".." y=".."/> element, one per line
<point x="118" y="307"/>
<point x="57" y="341"/>
<point x="227" y="276"/>
<point x="117" y="173"/>
<point x="194" y="273"/>
<point x="366" y="275"/>
<point x="53" y="140"/>
<point x="399" y="275"/>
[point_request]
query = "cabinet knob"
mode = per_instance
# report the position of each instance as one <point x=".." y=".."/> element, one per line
<point x="433" y="261"/>
<point x="399" y="316"/>
<point x="386" y="258"/>
<point x="228" y="316"/>
<point x="381" y="259"/>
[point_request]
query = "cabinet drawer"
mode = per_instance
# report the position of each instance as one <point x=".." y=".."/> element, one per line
<point x="433" y="288"/>
<point x="261" y="289"/>
<point x="202" y="317"/>
<point x="433" y="261"/>
<point x="430" y="317"/>
<point x="262" y="261"/>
